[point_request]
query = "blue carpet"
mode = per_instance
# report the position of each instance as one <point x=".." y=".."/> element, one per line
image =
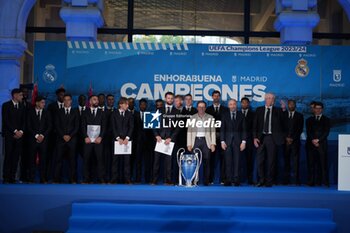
<point x="110" y="217"/>
<point x="25" y="208"/>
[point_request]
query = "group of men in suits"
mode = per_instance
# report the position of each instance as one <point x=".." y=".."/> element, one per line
<point x="60" y="132"/>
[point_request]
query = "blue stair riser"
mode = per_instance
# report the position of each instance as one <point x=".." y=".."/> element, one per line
<point x="198" y="212"/>
<point x="158" y="225"/>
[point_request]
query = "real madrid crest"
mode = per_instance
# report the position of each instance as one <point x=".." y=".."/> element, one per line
<point x="302" y="70"/>
<point x="49" y="75"/>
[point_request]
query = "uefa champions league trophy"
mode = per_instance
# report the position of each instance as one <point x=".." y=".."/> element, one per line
<point x="189" y="165"/>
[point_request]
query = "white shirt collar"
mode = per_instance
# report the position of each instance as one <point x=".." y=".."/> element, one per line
<point x="14" y="103"/>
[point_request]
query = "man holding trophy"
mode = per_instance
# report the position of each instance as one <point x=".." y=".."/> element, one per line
<point x="203" y="138"/>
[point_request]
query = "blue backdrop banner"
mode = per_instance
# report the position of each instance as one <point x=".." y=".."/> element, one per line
<point x="147" y="70"/>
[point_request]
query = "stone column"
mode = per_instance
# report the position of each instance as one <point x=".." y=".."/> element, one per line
<point x="296" y="20"/>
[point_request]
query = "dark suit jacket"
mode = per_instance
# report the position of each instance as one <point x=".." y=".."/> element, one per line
<point x="233" y="130"/>
<point x="211" y="111"/>
<point x="67" y="125"/>
<point x="249" y="121"/>
<point x="12" y="118"/>
<point x="191" y="112"/>
<point x="170" y="132"/>
<point x="277" y="126"/>
<point x="139" y="132"/>
<point x="36" y="126"/>
<point x="122" y="126"/>
<point x="294" y="127"/>
<point x="318" y="129"/>
<point x="88" y="119"/>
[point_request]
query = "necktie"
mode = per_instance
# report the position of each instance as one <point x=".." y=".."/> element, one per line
<point x="245" y="113"/>
<point x="39" y="113"/>
<point x="266" y="123"/>
<point x="67" y="112"/>
<point x="231" y="116"/>
<point x="168" y="110"/>
<point x="94" y="112"/>
<point x="16" y="106"/>
<point x="234" y="115"/>
<point x="317" y="118"/>
<point x="216" y="109"/>
<point x="290" y="115"/>
<point x="123" y="114"/>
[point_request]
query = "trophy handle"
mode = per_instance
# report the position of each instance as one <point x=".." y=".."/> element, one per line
<point x="179" y="154"/>
<point x="199" y="156"/>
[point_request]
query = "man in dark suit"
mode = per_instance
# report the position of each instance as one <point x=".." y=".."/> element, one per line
<point x="168" y="134"/>
<point x="39" y="125"/>
<point x="189" y="109"/>
<point x="94" y="119"/>
<point x="248" y="152"/>
<point x="217" y="110"/>
<point x="268" y="133"/>
<point x="24" y="161"/>
<point x="317" y="129"/>
<point x="294" y="127"/>
<point x="53" y="109"/>
<point x="159" y="104"/>
<point x="134" y="112"/>
<point x="233" y="141"/>
<point x="109" y="141"/>
<point x="123" y="126"/>
<point x="13" y="126"/>
<point x="67" y="127"/>
<point x="144" y="149"/>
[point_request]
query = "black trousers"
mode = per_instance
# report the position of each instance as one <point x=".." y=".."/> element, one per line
<point x="13" y="150"/>
<point x="248" y="155"/>
<point x="217" y="157"/>
<point x="167" y="160"/>
<point x="108" y="152"/>
<point x="40" y="150"/>
<point x="143" y="160"/>
<point x="69" y="149"/>
<point x="266" y="152"/>
<point x="318" y="164"/>
<point x="232" y="163"/>
<point x="292" y="156"/>
<point x="121" y="168"/>
<point x="24" y="159"/>
<point x="92" y="151"/>
<point x="201" y="144"/>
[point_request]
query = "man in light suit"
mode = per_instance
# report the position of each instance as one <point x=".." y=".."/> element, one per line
<point x="202" y="138"/>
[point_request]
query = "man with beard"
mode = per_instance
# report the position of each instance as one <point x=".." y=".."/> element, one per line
<point x="93" y="127"/>
<point x="168" y="134"/>
<point x="217" y="157"/>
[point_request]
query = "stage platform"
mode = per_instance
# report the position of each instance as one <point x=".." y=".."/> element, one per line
<point x="28" y="208"/>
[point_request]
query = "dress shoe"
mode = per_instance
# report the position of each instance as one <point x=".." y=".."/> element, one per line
<point x="260" y="184"/>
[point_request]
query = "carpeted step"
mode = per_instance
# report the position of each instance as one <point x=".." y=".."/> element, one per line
<point x="114" y="217"/>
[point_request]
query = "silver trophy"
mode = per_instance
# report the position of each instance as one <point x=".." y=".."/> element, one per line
<point x="189" y="165"/>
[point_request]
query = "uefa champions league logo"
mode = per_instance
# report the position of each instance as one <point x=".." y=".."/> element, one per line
<point x="49" y="75"/>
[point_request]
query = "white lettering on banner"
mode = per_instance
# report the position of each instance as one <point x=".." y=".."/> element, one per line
<point x="187" y="78"/>
<point x="198" y="91"/>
